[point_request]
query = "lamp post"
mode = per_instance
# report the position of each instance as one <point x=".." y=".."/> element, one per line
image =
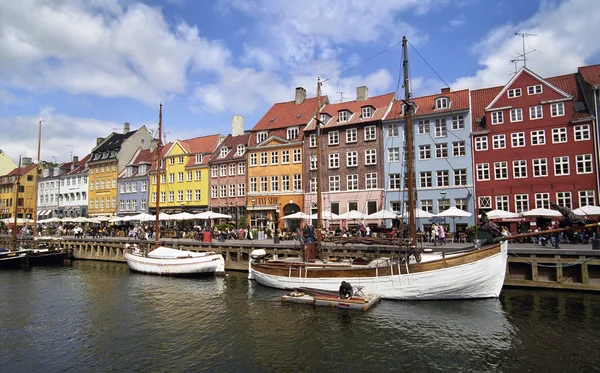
<point x="443" y="195"/>
<point x="253" y="213"/>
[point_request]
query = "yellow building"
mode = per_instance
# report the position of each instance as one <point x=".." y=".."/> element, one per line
<point x="107" y="160"/>
<point x="6" y="164"/>
<point x="24" y="177"/>
<point x="275" y="162"/>
<point x="184" y="175"/>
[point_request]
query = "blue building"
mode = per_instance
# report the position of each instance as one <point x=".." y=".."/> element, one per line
<point x="133" y="184"/>
<point x="443" y="158"/>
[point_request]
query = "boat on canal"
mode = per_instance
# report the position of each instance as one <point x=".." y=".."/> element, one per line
<point x="165" y="260"/>
<point x="477" y="273"/>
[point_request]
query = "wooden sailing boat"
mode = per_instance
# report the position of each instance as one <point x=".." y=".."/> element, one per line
<point x="14" y="259"/>
<point x="475" y="274"/>
<point x="164" y="260"/>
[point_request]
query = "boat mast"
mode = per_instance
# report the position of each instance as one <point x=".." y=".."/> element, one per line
<point x="158" y="159"/>
<point x="408" y="108"/>
<point x="16" y="207"/>
<point x="318" y="135"/>
<point x="36" y="178"/>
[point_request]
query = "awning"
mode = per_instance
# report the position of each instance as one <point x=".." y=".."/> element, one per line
<point x="44" y="212"/>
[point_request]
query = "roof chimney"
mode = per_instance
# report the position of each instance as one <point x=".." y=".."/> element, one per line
<point x="362" y="93"/>
<point x="446" y="90"/>
<point x="300" y="95"/>
<point x="26" y="161"/>
<point x="75" y="159"/>
<point x="99" y="140"/>
<point x="126" y="127"/>
<point x="237" y="125"/>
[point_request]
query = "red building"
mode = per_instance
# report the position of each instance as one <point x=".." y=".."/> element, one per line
<point x="533" y="143"/>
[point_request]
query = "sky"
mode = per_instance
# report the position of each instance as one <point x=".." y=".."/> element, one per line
<point x="88" y="66"/>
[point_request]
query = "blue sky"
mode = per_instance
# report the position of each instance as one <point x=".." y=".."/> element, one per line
<point x="87" y="66"/>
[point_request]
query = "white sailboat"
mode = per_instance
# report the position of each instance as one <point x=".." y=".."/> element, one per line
<point x="168" y="261"/>
<point x="478" y="273"/>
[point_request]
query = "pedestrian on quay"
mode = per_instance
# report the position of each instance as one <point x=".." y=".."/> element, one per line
<point x="442" y="234"/>
<point x="435" y="233"/>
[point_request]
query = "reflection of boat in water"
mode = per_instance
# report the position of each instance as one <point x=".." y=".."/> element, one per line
<point x="164" y="260"/>
<point x="478" y="273"/>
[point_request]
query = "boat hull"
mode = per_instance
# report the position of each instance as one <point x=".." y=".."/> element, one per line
<point x="13" y="261"/>
<point x="477" y="274"/>
<point x="49" y="258"/>
<point x="183" y="266"/>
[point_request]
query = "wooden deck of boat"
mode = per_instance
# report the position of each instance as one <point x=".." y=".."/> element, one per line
<point x="360" y="304"/>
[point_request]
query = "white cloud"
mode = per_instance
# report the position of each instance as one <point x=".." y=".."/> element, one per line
<point x="563" y="42"/>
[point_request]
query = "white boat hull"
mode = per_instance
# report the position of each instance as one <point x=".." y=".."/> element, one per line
<point x="480" y="279"/>
<point x="178" y="263"/>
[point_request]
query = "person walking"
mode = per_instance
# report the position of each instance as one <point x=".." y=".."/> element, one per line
<point x="442" y="234"/>
<point x="435" y="233"/>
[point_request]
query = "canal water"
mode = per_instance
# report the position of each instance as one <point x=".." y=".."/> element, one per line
<point x="99" y="317"/>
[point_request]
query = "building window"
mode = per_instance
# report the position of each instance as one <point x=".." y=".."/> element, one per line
<point x="395" y="181"/>
<point x="584" y="163"/>
<point x="483" y="171"/>
<point x="497" y="117"/>
<point x="394" y="155"/>
<point x="521" y="203"/>
<point x="197" y="194"/>
<point x="297" y="182"/>
<point x="232" y="169"/>
<point x="502" y="203"/>
<point x="285" y="157"/>
<point x="264" y="159"/>
<point x="223" y="170"/>
<point x="538" y="137"/>
<point x="460" y="176"/>
<point x="253" y="185"/>
<point x="232" y="190"/>
<point x="581" y="132"/>
<point x="371" y="180"/>
<point x="535" y="112"/>
<point x="224" y="151"/>
<point x="393" y="130"/>
<point x="443" y="179"/>
<point x="426" y="205"/>
<point x="180" y="196"/>
<point x="334" y="183"/>
<point x="516" y="115"/>
<point x="564" y="199"/>
<point x="518" y="139"/>
<point x="241" y="168"/>
<point x="312" y="140"/>
<point x="501" y="170"/>
<point x="334" y="160"/>
<point x="561" y="166"/>
<point x="189" y="176"/>
<point x="367" y="112"/>
<point x="441" y="150"/>
<point x="423" y="127"/>
<point x="485" y="202"/>
<point x="198" y="175"/>
<point x="352" y="159"/>
<point x="559" y="135"/>
<point x="557" y="109"/>
<point x="313" y="162"/>
<point x="520" y="169"/>
<point x="285" y="182"/>
<point x="458" y="122"/>
<point x="274" y="183"/>
<point x="241" y="149"/>
<point x="188" y="195"/>
<point x="352" y="182"/>
<point x="292" y="133"/>
<point x="424" y="152"/>
<point x="351" y="135"/>
<point x="370" y="156"/>
<point x="180" y="177"/>
<point x="586" y="198"/>
<point x="459" y="149"/>
<point x="370" y="133"/>
<point x="440" y="128"/>
<point x="425" y="179"/>
<point x="297" y="156"/>
<point x="313" y="184"/>
<point x="499" y="141"/>
<point x="275" y="157"/>
<point x="261" y="136"/>
<point x="333" y="138"/>
<point x="481" y="143"/>
<point x="214" y="191"/>
<point x="540" y="167"/>
<point x="515" y="92"/>
<point x="534" y="89"/>
<point x="264" y="186"/>
<point x="172" y="196"/>
<point x="443" y="205"/>
<point x="442" y="103"/>
<point x="253" y="160"/>
<point x="343" y="116"/>
<point x="172" y="160"/>
<point x="198" y="158"/>
<point x="542" y="200"/>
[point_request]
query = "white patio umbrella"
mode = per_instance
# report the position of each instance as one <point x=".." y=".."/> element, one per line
<point x="352" y="215"/>
<point x="542" y="213"/>
<point x="419" y="213"/>
<point x="382" y="214"/>
<point x="587" y="211"/>
<point x="183" y="216"/>
<point x="139" y="217"/>
<point x="68" y="220"/>
<point x="454" y="212"/>
<point x="51" y="220"/>
<point x="209" y="215"/>
<point x="501" y="214"/>
<point x="81" y="219"/>
<point x="325" y="215"/>
<point x="115" y="219"/>
<point x="297" y="215"/>
<point x="162" y="217"/>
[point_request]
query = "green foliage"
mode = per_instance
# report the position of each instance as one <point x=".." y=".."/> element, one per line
<point x="46" y="164"/>
<point x="242" y="222"/>
<point x="223" y="226"/>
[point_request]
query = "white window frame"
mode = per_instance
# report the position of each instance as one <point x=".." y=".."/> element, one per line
<point x="534" y="89"/>
<point x="513" y="93"/>
<point x="536" y="112"/>
<point x="516" y="115"/>
<point x="497" y="117"/>
<point x="499" y="141"/>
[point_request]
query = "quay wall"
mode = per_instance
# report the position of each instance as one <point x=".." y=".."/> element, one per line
<point x="570" y="269"/>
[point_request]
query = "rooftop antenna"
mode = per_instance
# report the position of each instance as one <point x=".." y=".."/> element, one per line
<point x="341" y="96"/>
<point x="523" y="35"/>
<point x="55" y="159"/>
<point x="165" y="136"/>
<point x="71" y="153"/>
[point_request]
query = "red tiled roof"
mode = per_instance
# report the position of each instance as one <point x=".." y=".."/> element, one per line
<point x="163" y="153"/>
<point x="80" y="165"/>
<point x="381" y="104"/>
<point x="288" y="114"/>
<point x="281" y="133"/>
<point x="203" y="144"/>
<point x="459" y="100"/>
<point x="567" y="83"/>
<point x="591" y="74"/>
<point x="480" y="99"/>
<point x="232" y="143"/>
<point x="17" y="171"/>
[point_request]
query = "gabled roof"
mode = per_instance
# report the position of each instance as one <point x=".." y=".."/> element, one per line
<point x="202" y="144"/>
<point x="232" y="143"/>
<point x="163" y="152"/>
<point x="425" y="105"/>
<point x="288" y="114"/>
<point x="17" y="171"/>
<point x="480" y="98"/>
<point x="382" y="105"/>
<point x="525" y="70"/>
<point x="80" y="166"/>
<point x="591" y="74"/>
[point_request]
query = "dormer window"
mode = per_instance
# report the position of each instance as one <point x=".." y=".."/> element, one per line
<point x="324" y="118"/>
<point x="261" y="136"/>
<point x="198" y="158"/>
<point x="224" y="151"/>
<point x="344" y="115"/>
<point x="129" y="171"/>
<point x="142" y="169"/>
<point x="534" y="89"/>
<point x="113" y="153"/>
<point x="367" y="112"/>
<point x="240" y="149"/>
<point x="105" y="154"/>
<point x="292" y="133"/>
<point x="515" y="92"/>
<point x="442" y="103"/>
